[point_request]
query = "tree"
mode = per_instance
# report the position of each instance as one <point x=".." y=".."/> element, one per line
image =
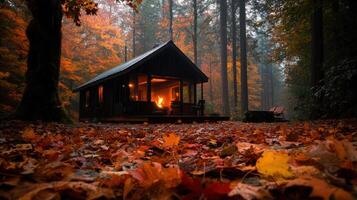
<point x="316" y="43"/>
<point x="40" y="99"/>
<point x="148" y="28"/>
<point x="13" y="51"/>
<point x="223" y="37"/>
<point x="134" y="35"/>
<point x="316" y="54"/>
<point x="243" y="56"/>
<point x="195" y="31"/>
<point x="171" y="19"/>
<point x="234" y="52"/>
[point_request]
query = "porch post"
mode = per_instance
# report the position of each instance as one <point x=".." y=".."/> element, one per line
<point x="181" y="96"/>
<point x="194" y="93"/>
<point x="148" y="91"/>
<point x="202" y="108"/>
<point x="201" y="91"/>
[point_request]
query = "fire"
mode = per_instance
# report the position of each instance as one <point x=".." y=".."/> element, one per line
<point x="159" y="102"/>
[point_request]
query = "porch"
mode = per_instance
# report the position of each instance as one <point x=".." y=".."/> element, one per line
<point x="164" y="119"/>
<point x="163" y="95"/>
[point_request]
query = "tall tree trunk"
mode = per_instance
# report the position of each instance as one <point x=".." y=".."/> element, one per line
<point x="243" y="56"/>
<point x="264" y="93"/>
<point x="125" y="52"/>
<point x="271" y="80"/>
<point x="195" y="31"/>
<point x="234" y="53"/>
<point x="223" y="36"/>
<point x="210" y="83"/>
<point x="316" y="43"/>
<point x="134" y="34"/>
<point x="40" y="99"/>
<point x="171" y="20"/>
<point x="316" y="55"/>
<point x="163" y="8"/>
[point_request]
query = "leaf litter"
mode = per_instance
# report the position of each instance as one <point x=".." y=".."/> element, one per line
<point x="225" y="160"/>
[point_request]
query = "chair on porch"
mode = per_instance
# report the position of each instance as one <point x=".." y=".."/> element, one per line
<point x="278" y="112"/>
<point x="175" y="108"/>
<point x="199" y="108"/>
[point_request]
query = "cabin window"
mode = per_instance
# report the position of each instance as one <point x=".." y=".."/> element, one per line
<point x="100" y="94"/>
<point x="188" y="92"/>
<point x="138" y="87"/>
<point x="163" y="92"/>
<point x="87" y="98"/>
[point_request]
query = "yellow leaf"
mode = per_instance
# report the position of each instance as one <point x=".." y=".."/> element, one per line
<point x="171" y="140"/>
<point x="275" y="164"/>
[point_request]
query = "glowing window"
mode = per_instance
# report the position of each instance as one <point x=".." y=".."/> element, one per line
<point x="100" y="94"/>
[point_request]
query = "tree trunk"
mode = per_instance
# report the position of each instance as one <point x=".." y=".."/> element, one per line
<point x="210" y="83"/>
<point x="271" y="85"/>
<point x="316" y="56"/>
<point x="234" y="53"/>
<point x="40" y="99"/>
<point x="163" y="8"/>
<point x="223" y="36"/>
<point x="316" y="43"/>
<point x="243" y="56"/>
<point x="264" y="77"/>
<point x="195" y="31"/>
<point x="134" y="34"/>
<point x="170" y="20"/>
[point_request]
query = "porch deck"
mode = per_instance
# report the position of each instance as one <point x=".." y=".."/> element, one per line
<point x="164" y="119"/>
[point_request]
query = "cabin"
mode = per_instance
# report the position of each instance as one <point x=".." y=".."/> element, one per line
<point x="159" y="85"/>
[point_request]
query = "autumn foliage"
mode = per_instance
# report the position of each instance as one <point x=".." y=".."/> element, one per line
<point x="186" y="161"/>
<point x="98" y="44"/>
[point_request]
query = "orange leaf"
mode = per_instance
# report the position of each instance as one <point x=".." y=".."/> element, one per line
<point x="171" y="140"/>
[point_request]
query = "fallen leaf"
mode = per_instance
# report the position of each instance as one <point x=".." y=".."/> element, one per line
<point x="128" y="186"/>
<point x="171" y="140"/>
<point x="29" y="134"/>
<point x="274" y="164"/>
<point x="249" y="192"/>
<point x="23" y="147"/>
<point x="228" y="151"/>
<point x="319" y="189"/>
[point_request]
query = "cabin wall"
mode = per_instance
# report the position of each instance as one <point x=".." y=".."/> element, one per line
<point x="116" y="92"/>
<point x="114" y="103"/>
<point x="116" y="100"/>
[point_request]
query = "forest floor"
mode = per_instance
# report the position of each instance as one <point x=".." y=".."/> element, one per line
<point x="297" y="160"/>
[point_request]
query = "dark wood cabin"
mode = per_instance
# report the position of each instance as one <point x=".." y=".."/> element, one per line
<point x="159" y="84"/>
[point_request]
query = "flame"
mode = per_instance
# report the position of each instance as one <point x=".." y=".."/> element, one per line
<point x="159" y="102"/>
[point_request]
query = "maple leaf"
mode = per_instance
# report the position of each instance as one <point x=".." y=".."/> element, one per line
<point x="152" y="172"/>
<point x="170" y="140"/>
<point x="215" y="190"/>
<point x="275" y="164"/>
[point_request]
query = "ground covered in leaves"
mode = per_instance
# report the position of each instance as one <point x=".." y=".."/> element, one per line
<point x="228" y="160"/>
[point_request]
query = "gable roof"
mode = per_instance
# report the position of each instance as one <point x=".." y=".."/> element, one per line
<point x="138" y="61"/>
